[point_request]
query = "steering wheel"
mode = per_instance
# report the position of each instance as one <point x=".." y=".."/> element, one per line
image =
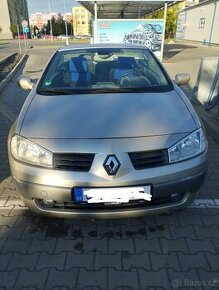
<point x="133" y="73"/>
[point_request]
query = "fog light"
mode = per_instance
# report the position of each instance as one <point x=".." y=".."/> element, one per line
<point x="48" y="202"/>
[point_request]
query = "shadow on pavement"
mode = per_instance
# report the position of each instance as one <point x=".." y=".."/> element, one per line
<point x="170" y="50"/>
<point x="8" y="115"/>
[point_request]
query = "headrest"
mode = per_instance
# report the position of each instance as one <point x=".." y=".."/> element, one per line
<point x="135" y="82"/>
<point x="126" y="62"/>
<point x="78" y="65"/>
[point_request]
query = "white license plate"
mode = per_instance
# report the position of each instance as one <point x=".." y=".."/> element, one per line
<point x="115" y="195"/>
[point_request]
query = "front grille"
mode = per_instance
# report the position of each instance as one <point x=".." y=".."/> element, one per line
<point x="73" y="161"/>
<point x="148" y="159"/>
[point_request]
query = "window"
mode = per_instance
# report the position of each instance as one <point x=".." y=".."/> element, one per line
<point x="106" y="70"/>
<point x="202" y="23"/>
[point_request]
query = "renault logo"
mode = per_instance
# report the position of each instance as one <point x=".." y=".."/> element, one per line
<point x="111" y="164"/>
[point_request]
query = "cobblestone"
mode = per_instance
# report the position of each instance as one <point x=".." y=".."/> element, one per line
<point x="19" y="261"/>
<point x="93" y="278"/>
<point x="51" y="261"/>
<point x="31" y="279"/>
<point x="85" y="261"/>
<point x="62" y="279"/>
<point x="108" y="261"/>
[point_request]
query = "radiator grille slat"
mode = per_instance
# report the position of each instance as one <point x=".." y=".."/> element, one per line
<point x="148" y="159"/>
<point x="73" y="161"/>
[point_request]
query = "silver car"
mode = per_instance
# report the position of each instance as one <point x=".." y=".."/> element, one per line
<point x="106" y="133"/>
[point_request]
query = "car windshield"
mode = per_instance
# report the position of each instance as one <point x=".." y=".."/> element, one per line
<point x="96" y="70"/>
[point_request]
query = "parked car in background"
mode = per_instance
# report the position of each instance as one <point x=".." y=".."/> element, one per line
<point x="82" y="36"/>
<point x="22" y="36"/>
<point x="48" y="36"/>
<point x="106" y="133"/>
<point x="63" y="36"/>
<point x="149" y="35"/>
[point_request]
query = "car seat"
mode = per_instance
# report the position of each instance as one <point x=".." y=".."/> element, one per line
<point x="80" y="74"/>
<point x="125" y="65"/>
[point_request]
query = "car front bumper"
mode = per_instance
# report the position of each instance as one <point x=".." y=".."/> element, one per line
<point x="36" y="184"/>
<point x="109" y="213"/>
<point x="34" y="193"/>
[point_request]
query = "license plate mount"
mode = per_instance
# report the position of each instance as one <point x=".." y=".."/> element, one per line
<point x="113" y="195"/>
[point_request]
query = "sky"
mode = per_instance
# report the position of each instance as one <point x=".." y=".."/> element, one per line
<point x="56" y="6"/>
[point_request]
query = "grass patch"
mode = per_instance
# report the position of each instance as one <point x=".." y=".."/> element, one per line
<point x="79" y="41"/>
<point x="2" y="42"/>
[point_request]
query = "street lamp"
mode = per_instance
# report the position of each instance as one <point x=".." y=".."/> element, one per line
<point x="51" y="33"/>
<point x="66" y="27"/>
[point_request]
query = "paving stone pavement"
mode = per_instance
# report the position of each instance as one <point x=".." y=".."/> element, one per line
<point x="178" y="250"/>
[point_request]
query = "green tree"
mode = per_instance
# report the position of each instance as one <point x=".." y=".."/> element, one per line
<point x="171" y="21"/>
<point x="0" y="30"/>
<point x="58" y="25"/>
<point x="13" y="29"/>
<point x="69" y="28"/>
<point x="90" y="29"/>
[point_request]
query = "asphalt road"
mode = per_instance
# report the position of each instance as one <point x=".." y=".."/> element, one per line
<point x="12" y="46"/>
<point x="173" y="251"/>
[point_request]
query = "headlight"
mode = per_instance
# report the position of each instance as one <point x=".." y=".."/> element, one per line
<point x="29" y="152"/>
<point x="190" y="146"/>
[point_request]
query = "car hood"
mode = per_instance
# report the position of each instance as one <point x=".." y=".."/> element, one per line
<point x="116" y="115"/>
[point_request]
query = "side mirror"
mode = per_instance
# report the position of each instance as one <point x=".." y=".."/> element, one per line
<point x="182" y="79"/>
<point x="25" y="83"/>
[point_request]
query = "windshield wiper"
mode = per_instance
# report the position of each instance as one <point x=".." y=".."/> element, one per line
<point x="54" y="91"/>
<point x="59" y="91"/>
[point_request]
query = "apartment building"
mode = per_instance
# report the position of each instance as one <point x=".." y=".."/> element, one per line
<point x="12" y="12"/>
<point x="68" y="17"/>
<point x="39" y="19"/>
<point x="81" y="20"/>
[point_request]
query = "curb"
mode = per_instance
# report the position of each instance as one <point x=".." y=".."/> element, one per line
<point x="4" y="59"/>
<point x="4" y="82"/>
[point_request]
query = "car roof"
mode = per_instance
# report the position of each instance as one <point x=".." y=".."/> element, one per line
<point x="103" y="45"/>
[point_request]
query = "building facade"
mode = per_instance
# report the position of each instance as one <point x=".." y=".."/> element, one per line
<point x="68" y="17"/>
<point x="12" y="12"/>
<point x="40" y="20"/>
<point x="81" y="20"/>
<point x="199" y="23"/>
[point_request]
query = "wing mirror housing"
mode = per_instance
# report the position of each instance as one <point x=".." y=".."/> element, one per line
<point x="182" y="79"/>
<point x="25" y="83"/>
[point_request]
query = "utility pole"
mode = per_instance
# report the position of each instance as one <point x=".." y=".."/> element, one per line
<point x="66" y="26"/>
<point x="19" y="40"/>
<point x="50" y="19"/>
